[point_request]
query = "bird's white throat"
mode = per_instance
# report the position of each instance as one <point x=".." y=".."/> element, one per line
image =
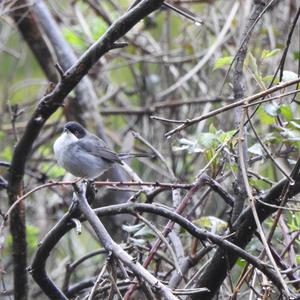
<point x="63" y="141"/>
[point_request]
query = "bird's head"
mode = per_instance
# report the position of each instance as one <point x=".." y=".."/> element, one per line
<point x="76" y="129"/>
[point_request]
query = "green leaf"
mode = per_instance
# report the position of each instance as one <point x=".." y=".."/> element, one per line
<point x="186" y="144"/>
<point x="225" y="136"/>
<point x="286" y="111"/>
<point x="258" y="183"/>
<point x="132" y="228"/>
<point x="293" y="221"/>
<point x="2" y="135"/>
<point x="52" y="170"/>
<point x="211" y="223"/>
<point x="290" y="135"/>
<point x="56" y="171"/>
<point x="212" y="129"/>
<point x="7" y="153"/>
<point x="256" y="149"/>
<point x="294" y="124"/>
<point x="45" y="150"/>
<point x="208" y="140"/>
<point x="98" y="27"/>
<point x="73" y="38"/>
<point x="264" y="117"/>
<point x="253" y="63"/>
<point x="273" y="138"/>
<point x="269" y="78"/>
<point x="145" y="232"/>
<point x="32" y="236"/>
<point x="271" y="109"/>
<point x="296" y="55"/>
<point x="270" y="53"/>
<point x="241" y="262"/>
<point x="222" y="61"/>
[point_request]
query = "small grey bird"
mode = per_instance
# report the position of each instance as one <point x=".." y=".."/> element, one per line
<point x="83" y="154"/>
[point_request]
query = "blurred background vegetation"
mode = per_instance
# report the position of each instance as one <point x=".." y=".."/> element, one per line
<point x="130" y="85"/>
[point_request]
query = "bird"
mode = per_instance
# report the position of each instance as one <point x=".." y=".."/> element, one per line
<point x="85" y="155"/>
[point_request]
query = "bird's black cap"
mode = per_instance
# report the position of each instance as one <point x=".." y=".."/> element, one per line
<point x="76" y="129"/>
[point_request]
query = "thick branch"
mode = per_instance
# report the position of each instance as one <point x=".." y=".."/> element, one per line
<point x="48" y="105"/>
<point x="27" y="24"/>
<point x="246" y="220"/>
<point x="113" y="248"/>
<point x="83" y="107"/>
<point x="239" y="93"/>
<point x="38" y="267"/>
<point x="245" y="229"/>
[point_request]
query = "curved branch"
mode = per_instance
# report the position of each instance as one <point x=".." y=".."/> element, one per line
<point x="118" y="252"/>
<point x="38" y="267"/>
<point x="245" y="229"/>
<point x="54" y="99"/>
<point x="189" y="122"/>
<point x="47" y="106"/>
<point x="193" y="230"/>
<point x="239" y="93"/>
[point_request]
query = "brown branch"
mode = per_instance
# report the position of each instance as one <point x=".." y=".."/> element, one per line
<point x="192" y="229"/>
<point x="188" y="123"/>
<point x="26" y="22"/>
<point x="245" y="229"/>
<point x="64" y="225"/>
<point x="47" y="106"/>
<point x="38" y="267"/>
<point x="239" y="93"/>
<point x="187" y="198"/>
<point x="117" y="252"/>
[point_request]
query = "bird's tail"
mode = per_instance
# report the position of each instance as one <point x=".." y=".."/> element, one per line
<point x="123" y="156"/>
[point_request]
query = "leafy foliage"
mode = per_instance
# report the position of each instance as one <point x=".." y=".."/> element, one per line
<point x="173" y="69"/>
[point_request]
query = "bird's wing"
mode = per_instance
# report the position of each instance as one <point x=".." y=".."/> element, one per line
<point x="98" y="148"/>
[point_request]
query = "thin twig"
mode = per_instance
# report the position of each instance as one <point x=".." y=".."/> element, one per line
<point x="97" y="282"/>
<point x="158" y="154"/>
<point x="246" y="101"/>
<point x="113" y="248"/>
<point x="269" y="154"/>
<point x="255" y="215"/>
<point x="164" y="240"/>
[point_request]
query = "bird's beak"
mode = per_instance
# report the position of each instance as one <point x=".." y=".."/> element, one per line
<point x="66" y="130"/>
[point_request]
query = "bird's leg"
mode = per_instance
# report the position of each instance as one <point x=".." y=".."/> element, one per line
<point x="77" y="180"/>
<point x="90" y="190"/>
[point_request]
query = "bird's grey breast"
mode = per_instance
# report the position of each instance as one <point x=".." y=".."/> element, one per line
<point x="86" y="157"/>
<point x="81" y="163"/>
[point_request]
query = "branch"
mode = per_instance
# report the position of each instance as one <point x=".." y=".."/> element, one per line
<point x="113" y="248"/>
<point x="211" y="51"/>
<point x="187" y="198"/>
<point x="38" y="267"/>
<point x="54" y="99"/>
<point x="26" y="22"/>
<point x="193" y="230"/>
<point x="63" y="226"/>
<point x="245" y="229"/>
<point x="187" y="123"/>
<point x="47" y="106"/>
<point x="239" y="93"/>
